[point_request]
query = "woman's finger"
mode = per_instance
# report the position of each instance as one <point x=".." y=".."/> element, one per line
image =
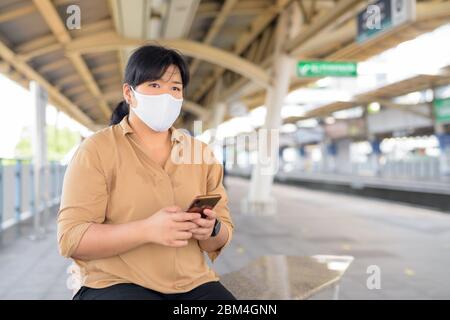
<point x="201" y="231"/>
<point x="183" y="235"/>
<point x="210" y="214"/>
<point x="204" y="223"/>
<point x="185" y="226"/>
<point x="185" y="216"/>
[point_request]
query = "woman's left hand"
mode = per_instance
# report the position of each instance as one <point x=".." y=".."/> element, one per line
<point x="205" y="225"/>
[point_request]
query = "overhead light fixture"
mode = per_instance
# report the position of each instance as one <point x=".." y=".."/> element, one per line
<point x="373" y="107"/>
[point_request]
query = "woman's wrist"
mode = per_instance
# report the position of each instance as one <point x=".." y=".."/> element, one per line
<point x="145" y="229"/>
<point x="215" y="243"/>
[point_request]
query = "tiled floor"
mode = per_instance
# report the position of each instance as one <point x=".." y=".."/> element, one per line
<point x="410" y="245"/>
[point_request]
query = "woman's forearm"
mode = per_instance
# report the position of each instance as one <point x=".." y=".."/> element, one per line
<point x="107" y="240"/>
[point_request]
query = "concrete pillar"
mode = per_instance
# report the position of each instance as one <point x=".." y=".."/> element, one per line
<point x="301" y="158"/>
<point x="444" y="148"/>
<point x="260" y="200"/>
<point x="443" y="137"/>
<point x="374" y="157"/>
<point x="218" y="116"/>
<point x="39" y="143"/>
<point x="219" y="109"/>
<point x="343" y="161"/>
<point x="328" y="148"/>
<point x="280" y="157"/>
<point x="324" y="158"/>
<point x="230" y="152"/>
<point x="332" y="150"/>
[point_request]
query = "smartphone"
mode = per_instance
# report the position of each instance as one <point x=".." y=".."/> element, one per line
<point x="201" y="203"/>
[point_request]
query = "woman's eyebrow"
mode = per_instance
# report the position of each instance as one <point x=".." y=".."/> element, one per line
<point x="174" y="81"/>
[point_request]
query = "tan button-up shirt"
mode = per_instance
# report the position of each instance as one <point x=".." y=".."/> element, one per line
<point x="110" y="179"/>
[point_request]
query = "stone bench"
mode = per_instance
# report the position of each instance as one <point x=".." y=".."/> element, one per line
<point x="276" y="277"/>
<point x="280" y="277"/>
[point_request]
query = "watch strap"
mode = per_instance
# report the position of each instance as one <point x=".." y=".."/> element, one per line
<point x="216" y="228"/>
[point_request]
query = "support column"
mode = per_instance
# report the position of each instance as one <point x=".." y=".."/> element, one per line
<point x="442" y="132"/>
<point x="260" y="200"/>
<point x="343" y="161"/>
<point x="230" y="153"/>
<point x="219" y="109"/>
<point x="444" y="149"/>
<point x="39" y="143"/>
<point x="218" y="115"/>
<point x="332" y="150"/>
<point x="328" y="148"/>
<point x="301" y="159"/>
<point x="375" y="156"/>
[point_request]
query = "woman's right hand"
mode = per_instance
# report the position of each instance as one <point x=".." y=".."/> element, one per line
<point x="170" y="226"/>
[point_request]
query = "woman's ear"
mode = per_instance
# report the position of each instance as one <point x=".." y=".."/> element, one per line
<point x="127" y="94"/>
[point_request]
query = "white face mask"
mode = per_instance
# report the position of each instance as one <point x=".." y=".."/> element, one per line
<point x="159" y="112"/>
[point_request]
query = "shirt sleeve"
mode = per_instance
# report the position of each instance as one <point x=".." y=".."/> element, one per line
<point x="215" y="185"/>
<point x="84" y="197"/>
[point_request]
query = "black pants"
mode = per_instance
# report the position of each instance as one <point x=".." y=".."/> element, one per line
<point x="128" y="291"/>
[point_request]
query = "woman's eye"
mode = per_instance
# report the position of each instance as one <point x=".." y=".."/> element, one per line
<point x="176" y="89"/>
<point x="154" y="85"/>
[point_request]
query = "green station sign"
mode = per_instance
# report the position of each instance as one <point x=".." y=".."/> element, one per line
<point x="317" y="69"/>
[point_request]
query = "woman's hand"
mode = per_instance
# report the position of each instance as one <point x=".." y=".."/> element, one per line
<point x="204" y="226"/>
<point x="171" y="226"/>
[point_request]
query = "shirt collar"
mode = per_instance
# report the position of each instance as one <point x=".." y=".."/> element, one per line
<point x="176" y="135"/>
<point x="125" y="125"/>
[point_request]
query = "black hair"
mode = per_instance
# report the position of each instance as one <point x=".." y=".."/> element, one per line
<point x="149" y="63"/>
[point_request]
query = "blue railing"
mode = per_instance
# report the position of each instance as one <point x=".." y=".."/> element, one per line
<point x="17" y="193"/>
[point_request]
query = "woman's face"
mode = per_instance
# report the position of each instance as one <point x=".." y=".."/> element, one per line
<point x="169" y="83"/>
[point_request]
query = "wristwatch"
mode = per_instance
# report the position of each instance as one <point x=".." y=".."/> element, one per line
<point x="216" y="228"/>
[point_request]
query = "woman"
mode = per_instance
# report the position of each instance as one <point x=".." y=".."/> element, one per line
<point x="122" y="216"/>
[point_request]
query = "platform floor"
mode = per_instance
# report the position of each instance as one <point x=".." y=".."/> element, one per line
<point x="410" y="245"/>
